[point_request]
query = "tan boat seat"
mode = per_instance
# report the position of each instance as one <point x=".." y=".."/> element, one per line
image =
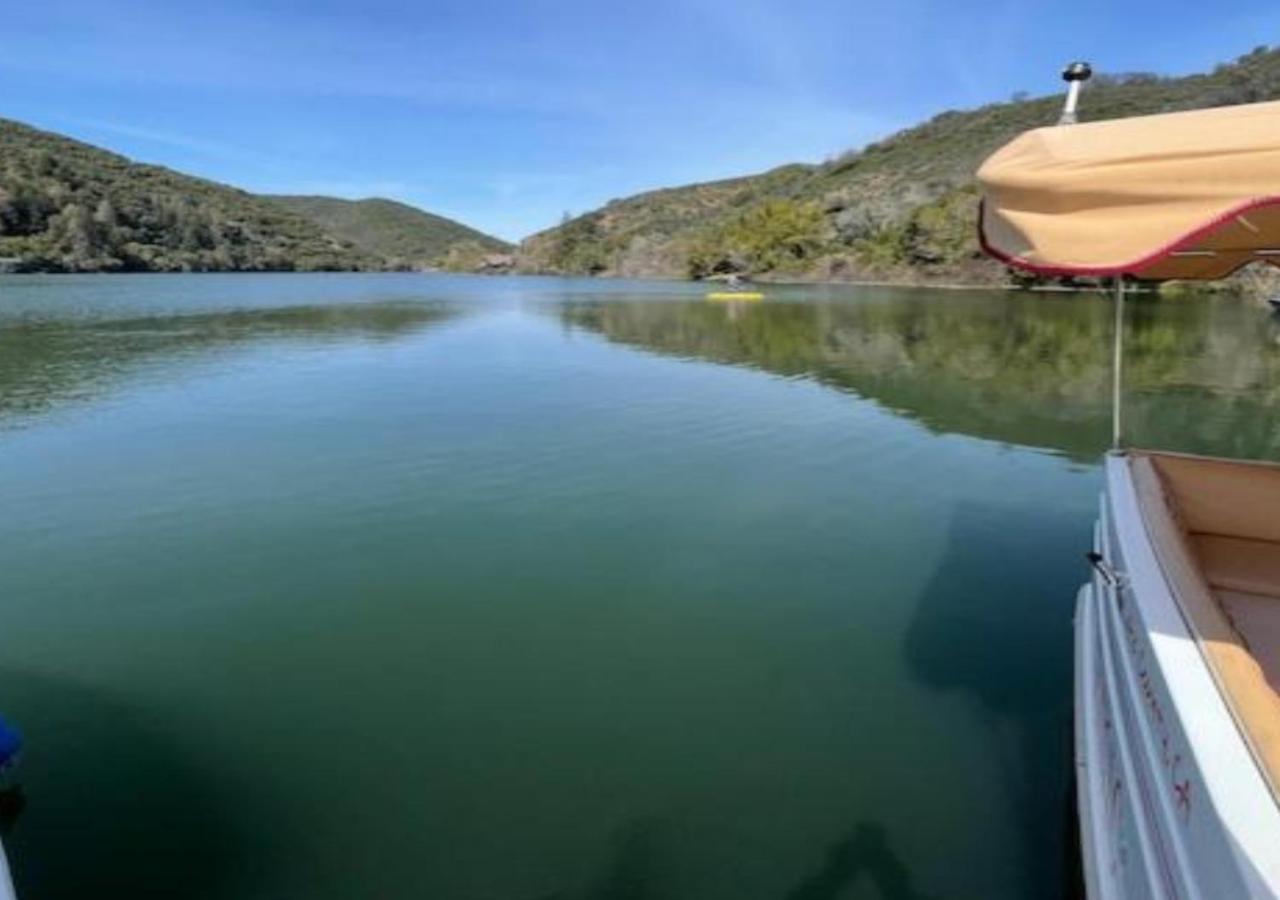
<point x="1239" y="564"/>
<point x="1222" y="497"/>
<point x="1258" y="619"/>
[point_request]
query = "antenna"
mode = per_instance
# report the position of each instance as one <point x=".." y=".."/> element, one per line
<point x="1075" y="75"/>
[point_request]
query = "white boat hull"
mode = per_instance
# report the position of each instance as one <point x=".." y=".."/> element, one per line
<point x="1171" y="801"/>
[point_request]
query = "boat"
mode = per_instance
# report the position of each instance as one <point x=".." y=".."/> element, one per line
<point x="1177" y="628"/>
<point x="735" y="289"/>
<point x="735" y="295"/>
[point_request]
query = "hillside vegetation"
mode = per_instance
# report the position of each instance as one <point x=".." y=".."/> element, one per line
<point x="66" y="206"/>
<point x="903" y="208"/>
<point x="1023" y="370"/>
<point x="404" y="236"/>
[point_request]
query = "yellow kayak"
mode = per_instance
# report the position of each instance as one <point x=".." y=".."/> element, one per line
<point x="735" y="295"/>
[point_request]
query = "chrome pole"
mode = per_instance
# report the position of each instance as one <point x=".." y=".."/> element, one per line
<point x="1117" y="358"/>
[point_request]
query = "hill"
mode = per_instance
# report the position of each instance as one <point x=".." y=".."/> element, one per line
<point x="66" y="206"/>
<point x="403" y="235"/>
<point x="900" y="209"/>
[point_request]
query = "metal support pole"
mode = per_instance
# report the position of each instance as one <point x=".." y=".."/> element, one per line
<point x="1117" y="358"/>
<point x="1068" y="116"/>
<point x="1074" y="75"/>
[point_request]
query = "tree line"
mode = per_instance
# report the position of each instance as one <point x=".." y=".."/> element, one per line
<point x="69" y="207"/>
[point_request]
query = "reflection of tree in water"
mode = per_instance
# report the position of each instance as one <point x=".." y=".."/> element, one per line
<point x="994" y="622"/>
<point x="1201" y="374"/>
<point x="47" y="362"/>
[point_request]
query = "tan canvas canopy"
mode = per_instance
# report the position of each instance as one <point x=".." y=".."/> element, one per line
<point x="1180" y="195"/>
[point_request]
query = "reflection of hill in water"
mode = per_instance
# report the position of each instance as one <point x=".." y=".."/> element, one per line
<point x="46" y="362"/>
<point x="1200" y="374"/>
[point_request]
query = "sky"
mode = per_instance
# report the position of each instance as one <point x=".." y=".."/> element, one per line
<point x="506" y="115"/>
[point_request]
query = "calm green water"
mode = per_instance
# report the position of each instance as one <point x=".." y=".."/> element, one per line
<point x="414" y="586"/>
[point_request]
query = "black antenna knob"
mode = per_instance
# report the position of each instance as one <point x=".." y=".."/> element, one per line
<point x="1077" y="71"/>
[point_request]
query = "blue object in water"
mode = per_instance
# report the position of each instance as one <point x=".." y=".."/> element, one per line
<point x="10" y="745"/>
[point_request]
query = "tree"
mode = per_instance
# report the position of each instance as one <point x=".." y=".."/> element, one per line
<point x="579" y="247"/>
<point x="776" y="235"/>
<point x="105" y="214"/>
<point x="76" y="235"/>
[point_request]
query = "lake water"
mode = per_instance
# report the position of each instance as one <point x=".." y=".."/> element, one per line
<point x="518" y="589"/>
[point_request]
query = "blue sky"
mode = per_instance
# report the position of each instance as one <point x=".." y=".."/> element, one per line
<point x="506" y="115"/>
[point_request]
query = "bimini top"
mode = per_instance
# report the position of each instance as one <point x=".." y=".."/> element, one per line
<point x="1181" y="195"/>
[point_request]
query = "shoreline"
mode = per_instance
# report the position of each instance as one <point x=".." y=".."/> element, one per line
<point x="763" y="284"/>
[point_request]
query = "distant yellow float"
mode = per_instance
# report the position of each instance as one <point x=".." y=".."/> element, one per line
<point x="735" y="295"/>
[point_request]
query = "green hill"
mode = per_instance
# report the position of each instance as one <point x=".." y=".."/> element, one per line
<point x="902" y="208"/>
<point x="403" y="235"/>
<point x="66" y="206"/>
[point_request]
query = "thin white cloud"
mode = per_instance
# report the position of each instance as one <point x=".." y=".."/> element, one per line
<point x="165" y="138"/>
